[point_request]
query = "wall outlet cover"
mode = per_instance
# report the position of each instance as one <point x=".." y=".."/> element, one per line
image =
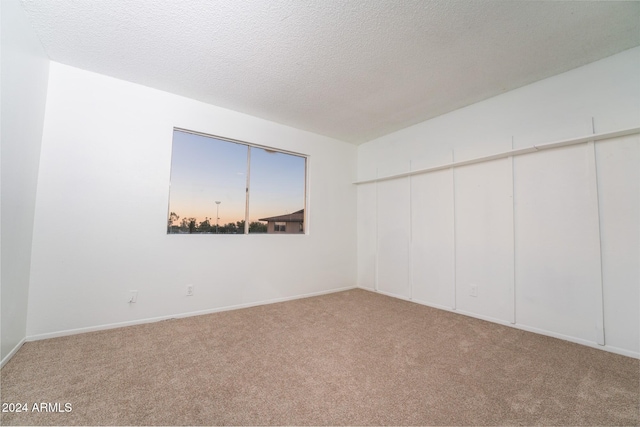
<point x="473" y="290"/>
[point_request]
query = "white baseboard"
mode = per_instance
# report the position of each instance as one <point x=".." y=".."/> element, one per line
<point x="12" y="352"/>
<point x="581" y="341"/>
<point x="389" y="294"/>
<point x="434" y="305"/>
<point x="592" y="344"/>
<point x="103" y="327"/>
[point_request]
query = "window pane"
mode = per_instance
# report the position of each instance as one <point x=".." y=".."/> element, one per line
<point x="277" y="191"/>
<point x="204" y="171"/>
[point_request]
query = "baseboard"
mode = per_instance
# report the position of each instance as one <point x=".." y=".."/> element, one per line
<point x="103" y="327"/>
<point x="389" y="294"/>
<point x="610" y="349"/>
<point x="12" y="352"/>
<point x="434" y="305"/>
<point x="442" y="307"/>
<point x="592" y="344"/>
<point x="483" y="317"/>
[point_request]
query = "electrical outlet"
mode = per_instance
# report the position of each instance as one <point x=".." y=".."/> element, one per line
<point x="473" y="290"/>
<point x="189" y="290"/>
<point x="133" y="297"/>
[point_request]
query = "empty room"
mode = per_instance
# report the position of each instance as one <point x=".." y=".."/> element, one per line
<point x="320" y="212"/>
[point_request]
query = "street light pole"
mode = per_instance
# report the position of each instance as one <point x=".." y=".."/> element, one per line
<point x="217" y="215"/>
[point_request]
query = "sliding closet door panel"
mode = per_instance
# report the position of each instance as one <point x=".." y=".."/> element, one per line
<point x="557" y="247"/>
<point x="484" y="239"/>
<point x="367" y="232"/>
<point x="393" y="237"/>
<point x="432" y="238"/>
<point x="619" y="185"/>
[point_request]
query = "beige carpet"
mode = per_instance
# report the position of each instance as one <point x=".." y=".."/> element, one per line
<point x="349" y="358"/>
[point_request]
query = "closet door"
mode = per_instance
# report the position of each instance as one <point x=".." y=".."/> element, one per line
<point x="432" y="238"/>
<point x="393" y="237"/>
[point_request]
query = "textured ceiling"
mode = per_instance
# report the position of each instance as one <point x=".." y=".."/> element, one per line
<point x="353" y="70"/>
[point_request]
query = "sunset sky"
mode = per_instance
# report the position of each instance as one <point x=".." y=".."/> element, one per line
<point x="205" y="170"/>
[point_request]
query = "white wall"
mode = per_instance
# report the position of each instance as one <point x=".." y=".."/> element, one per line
<point x="100" y="225"/>
<point x="526" y="230"/>
<point x="24" y="88"/>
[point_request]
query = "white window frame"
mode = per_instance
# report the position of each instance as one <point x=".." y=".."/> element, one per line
<point x="250" y="145"/>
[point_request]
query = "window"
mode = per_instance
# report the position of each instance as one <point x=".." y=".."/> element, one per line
<point x="219" y="186"/>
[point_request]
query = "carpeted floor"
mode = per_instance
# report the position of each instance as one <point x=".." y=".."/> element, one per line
<point x="348" y="358"/>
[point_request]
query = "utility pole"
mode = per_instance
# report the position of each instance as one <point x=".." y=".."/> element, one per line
<point x="217" y="215"/>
